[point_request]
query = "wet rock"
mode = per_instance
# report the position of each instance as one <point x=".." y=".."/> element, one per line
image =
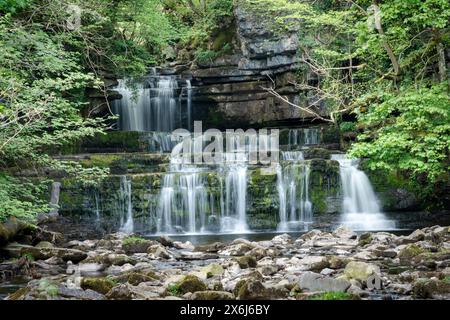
<point x="212" y="295"/>
<point x="246" y="262"/>
<point x="360" y="270"/>
<point x="316" y="282"/>
<point x="101" y="285"/>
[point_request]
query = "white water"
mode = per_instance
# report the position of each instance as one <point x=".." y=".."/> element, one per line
<point x="125" y="205"/>
<point x="361" y="209"/>
<point x="303" y="137"/>
<point x="293" y="191"/>
<point x="189" y="104"/>
<point x="186" y="206"/>
<point x="234" y="218"/>
<point x="152" y="105"/>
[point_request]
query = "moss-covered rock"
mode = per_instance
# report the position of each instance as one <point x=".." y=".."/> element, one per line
<point x="101" y="285"/>
<point x="246" y="262"/>
<point x="212" y="295"/>
<point x="213" y="269"/>
<point x="134" y="244"/>
<point x="407" y="254"/>
<point x="190" y="283"/>
<point x="429" y="289"/>
<point x="360" y="270"/>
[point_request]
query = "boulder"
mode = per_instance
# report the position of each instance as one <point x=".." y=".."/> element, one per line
<point x="360" y="270"/>
<point x="313" y="263"/>
<point x="316" y="282"/>
<point x="213" y="269"/>
<point x="246" y="262"/>
<point x="166" y="241"/>
<point x="136" y="245"/>
<point x="253" y="290"/>
<point x="158" y="251"/>
<point x="101" y="285"/>
<point x="190" y="283"/>
<point x="407" y="254"/>
<point x="344" y="233"/>
<point x="120" y="292"/>
<point x="365" y="239"/>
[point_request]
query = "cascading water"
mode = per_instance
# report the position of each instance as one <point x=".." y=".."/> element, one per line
<point x="189" y="104"/>
<point x="361" y="210"/>
<point x="153" y="104"/>
<point x="293" y="192"/>
<point x="233" y="219"/>
<point x="183" y="203"/>
<point x="303" y="137"/>
<point x="125" y="206"/>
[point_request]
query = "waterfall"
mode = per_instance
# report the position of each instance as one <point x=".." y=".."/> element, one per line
<point x="189" y="104"/>
<point x="293" y="191"/>
<point x="186" y="205"/>
<point x="292" y="155"/>
<point x="234" y="219"/>
<point x="152" y="104"/>
<point x="361" y="209"/>
<point x="164" y="106"/>
<point x="125" y="205"/>
<point x="158" y="141"/>
<point x="303" y="137"/>
<point x="183" y="203"/>
<point x="97" y="206"/>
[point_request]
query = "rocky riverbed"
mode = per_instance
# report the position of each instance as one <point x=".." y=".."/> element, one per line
<point x="317" y="265"/>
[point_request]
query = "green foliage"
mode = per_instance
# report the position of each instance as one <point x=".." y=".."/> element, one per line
<point x="174" y="289"/>
<point x="22" y="199"/>
<point x="48" y="288"/>
<point x="131" y="240"/>
<point x="199" y="23"/>
<point x="332" y="295"/>
<point x="13" y="6"/>
<point x="392" y="79"/>
<point x="347" y="126"/>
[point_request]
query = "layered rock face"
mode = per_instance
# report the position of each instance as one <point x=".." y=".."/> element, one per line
<point x="230" y="89"/>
